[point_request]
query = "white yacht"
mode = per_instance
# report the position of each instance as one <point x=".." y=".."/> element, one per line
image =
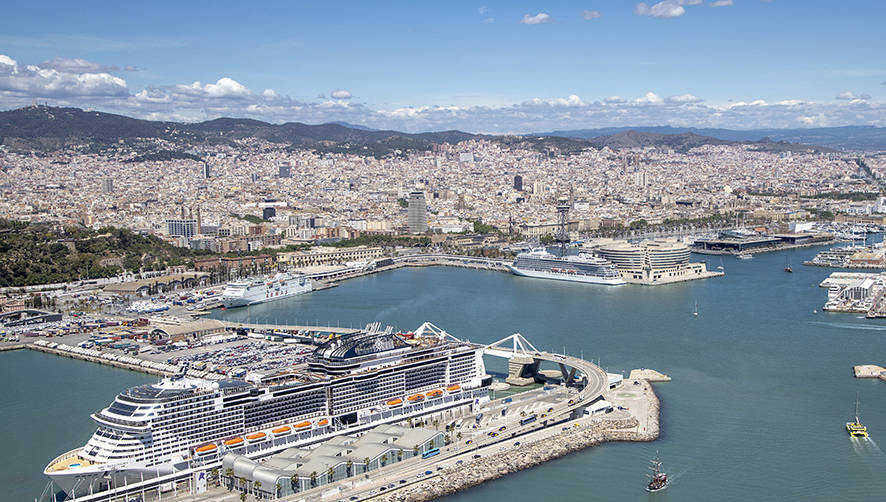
<point x="576" y="268"/>
<point x="349" y="383"/>
<point x="263" y="289"/>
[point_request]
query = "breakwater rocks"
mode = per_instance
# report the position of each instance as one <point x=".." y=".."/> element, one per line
<point x="473" y="473"/>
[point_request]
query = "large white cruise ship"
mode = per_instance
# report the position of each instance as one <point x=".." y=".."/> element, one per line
<point x="346" y="385"/>
<point x="576" y="268"/>
<point x="262" y="289"/>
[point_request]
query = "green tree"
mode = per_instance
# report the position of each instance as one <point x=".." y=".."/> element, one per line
<point x="314" y="479"/>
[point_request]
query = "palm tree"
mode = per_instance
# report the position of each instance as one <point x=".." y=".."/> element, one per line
<point x="446" y="439"/>
<point x="242" y="481"/>
<point x="436" y="423"/>
<point x="400" y="454"/>
<point x="229" y="473"/>
<point x="242" y="496"/>
<point x="384" y="458"/>
<point x="256" y="487"/>
<point x="415" y="451"/>
<point x="365" y="464"/>
<point x="294" y="484"/>
<point x="314" y="479"/>
<point x="214" y="474"/>
<point x="330" y="475"/>
<point x="279" y="488"/>
<point x="458" y="436"/>
<point x="349" y="467"/>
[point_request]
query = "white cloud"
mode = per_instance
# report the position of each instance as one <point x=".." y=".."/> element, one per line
<point x="665" y="9"/>
<point x="482" y="10"/>
<point x="851" y="96"/>
<point x="77" y="66"/>
<point x="650" y="98"/>
<point x="590" y="14"/>
<point x="20" y="84"/>
<point x="38" y="82"/>
<point x="662" y="10"/>
<point x="721" y="3"/>
<point x="340" y="94"/>
<point x="540" y="18"/>
<point x="684" y="98"/>
<point x="225" y="87"/>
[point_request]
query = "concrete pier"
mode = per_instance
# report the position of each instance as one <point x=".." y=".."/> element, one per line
<point x="869" y="371"/>
<point x="649" y="375"/>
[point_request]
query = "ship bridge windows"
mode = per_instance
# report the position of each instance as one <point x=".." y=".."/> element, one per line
<point x="122" y="409"/>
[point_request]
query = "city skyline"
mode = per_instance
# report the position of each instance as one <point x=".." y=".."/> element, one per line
<point x="481" y="67"/>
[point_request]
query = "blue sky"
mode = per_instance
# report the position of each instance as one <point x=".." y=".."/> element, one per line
<point x="482" y="66"/>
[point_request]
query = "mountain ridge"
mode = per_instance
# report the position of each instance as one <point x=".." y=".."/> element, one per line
<point x="44" y="128"/>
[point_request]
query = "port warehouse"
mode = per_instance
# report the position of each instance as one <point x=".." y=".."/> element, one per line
<point x="298" y="469"/>
<point x="726" y="242"/>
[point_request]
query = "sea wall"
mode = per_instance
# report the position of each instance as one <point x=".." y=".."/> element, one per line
<point x="528" y="455"/>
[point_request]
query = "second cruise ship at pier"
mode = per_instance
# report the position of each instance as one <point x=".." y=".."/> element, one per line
<point x="260" y="289"/>
<point x="576" y="268"/>
<point x="348" y="383"/>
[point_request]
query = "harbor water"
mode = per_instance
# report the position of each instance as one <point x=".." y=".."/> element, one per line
<point x="762" y="384"/>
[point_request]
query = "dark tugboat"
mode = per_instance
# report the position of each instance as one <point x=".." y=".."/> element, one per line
<point x="659" y="479"/>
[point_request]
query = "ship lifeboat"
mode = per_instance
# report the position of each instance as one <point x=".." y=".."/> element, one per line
<point x="256" y="438"/>
<point x="434" y="393"/>
<point x="302" y="426"/>
<point x="207" y="449"/>
<point x="234" y="443"/>
<point x="395" y="403"/>
<point x="281" y="431"/>
<point x="416" y="398"/>
<point x="323" y="423"/>
<point x="452" y="389"/>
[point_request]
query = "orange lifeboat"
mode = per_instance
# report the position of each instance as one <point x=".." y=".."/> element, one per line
<point x="303" y="425"/>
<point x="323" y="423"/>
<point x="235" y="442"/>
<point x="281" y="431"/>
<point x="395" y="403"/>
<point x="435" y="393"/>
<point x="452" y="389"/>
<point x="257" y="437"/>
<point x="206" y="449"/>
<point x="416" y="398"/>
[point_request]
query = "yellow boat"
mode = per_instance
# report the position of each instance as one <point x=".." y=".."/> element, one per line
<point x="856" y="429"/>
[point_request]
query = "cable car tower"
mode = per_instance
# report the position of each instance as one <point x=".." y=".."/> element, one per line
<point x="562" y="237"/>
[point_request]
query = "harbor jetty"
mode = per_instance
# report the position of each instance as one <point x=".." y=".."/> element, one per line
<point x="869" y="371"/>
<point x="530" y="454"/>
<point x="649" y="375"/>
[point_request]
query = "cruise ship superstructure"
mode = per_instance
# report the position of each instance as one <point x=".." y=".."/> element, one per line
<point x="347" y="383"/>
<point x="577" y="268"/>
<point x="263" y="289"/>
<point x="584" y="267"/>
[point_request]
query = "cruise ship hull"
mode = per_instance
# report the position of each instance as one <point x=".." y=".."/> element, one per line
<point x="241" y="301"/>
<point x="85" y="480"/>
<point x="590" y="279"/>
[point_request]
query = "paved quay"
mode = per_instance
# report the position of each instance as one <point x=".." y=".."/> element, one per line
<point x="531" y="454"/>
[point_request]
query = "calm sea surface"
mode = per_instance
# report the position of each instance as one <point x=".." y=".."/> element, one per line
<point x="762" y="385"/>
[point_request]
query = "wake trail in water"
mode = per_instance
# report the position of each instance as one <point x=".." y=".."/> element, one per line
<point x="867" y="447"/>
<point x="850" y="326"/>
